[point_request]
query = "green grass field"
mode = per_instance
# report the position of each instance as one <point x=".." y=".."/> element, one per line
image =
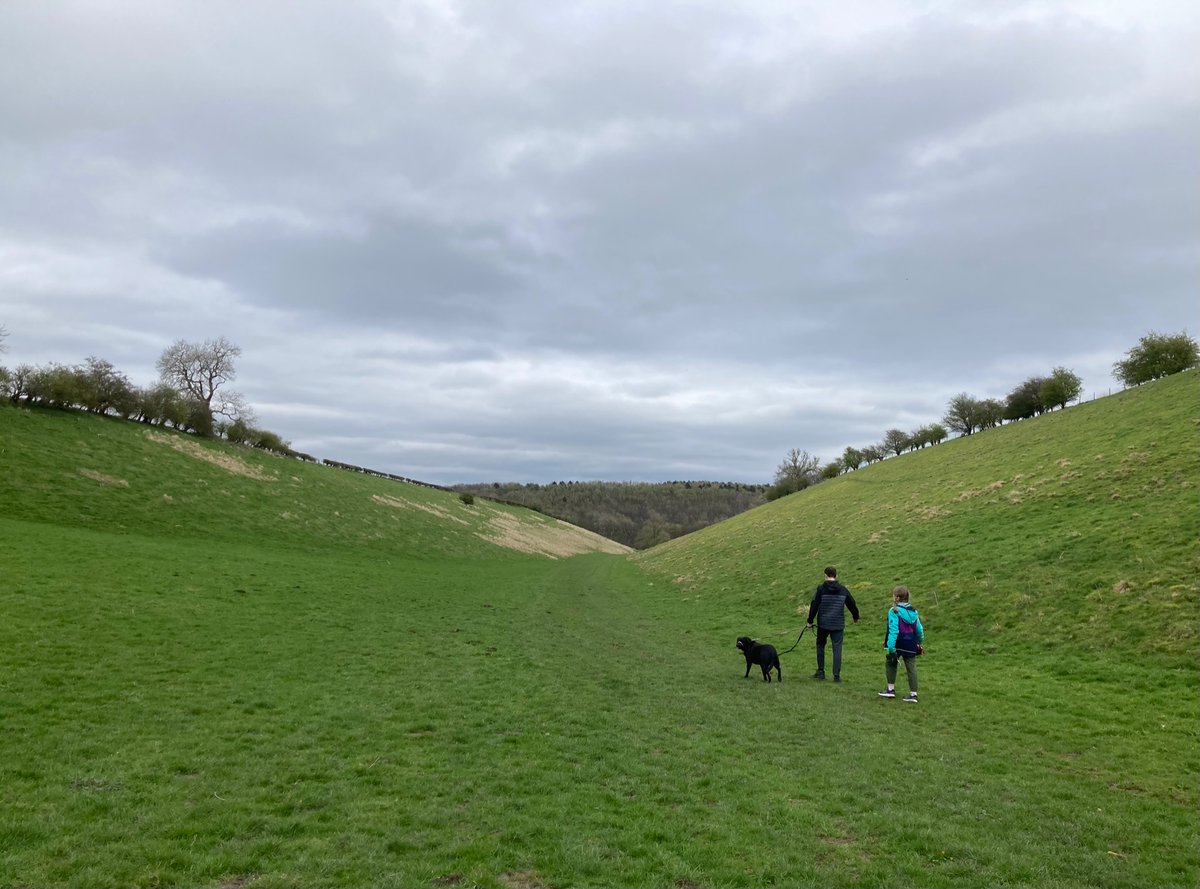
<point x="245" y="671"/>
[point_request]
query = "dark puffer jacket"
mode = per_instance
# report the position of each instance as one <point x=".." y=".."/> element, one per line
<point x="828" y="604"/>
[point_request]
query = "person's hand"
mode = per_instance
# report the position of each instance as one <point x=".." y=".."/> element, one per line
<point x="856" y="620"/>
<point x="810" y="625"/>
<point x="892" y="652"/>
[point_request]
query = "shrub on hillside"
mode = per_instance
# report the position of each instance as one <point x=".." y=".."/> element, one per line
<point x="268" y="441"/>
<point x="1157" y="355"/>
<point x="1061" y="387"/>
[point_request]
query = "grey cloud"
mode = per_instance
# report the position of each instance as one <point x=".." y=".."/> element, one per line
<point x="881" y="205"/>
<point x="393" y="271"/>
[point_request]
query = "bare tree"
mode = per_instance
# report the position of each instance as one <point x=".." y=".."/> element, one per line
<point x="199" y="370"/>
<point x="799" y="468"/>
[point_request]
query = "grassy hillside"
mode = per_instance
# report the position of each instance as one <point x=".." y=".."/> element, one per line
<point x="75" y="470"/>
<point x="227" y="669"/>
<point x="1074" y="532"/>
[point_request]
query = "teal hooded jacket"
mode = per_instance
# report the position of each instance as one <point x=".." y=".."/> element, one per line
<point x="908" y="614"/>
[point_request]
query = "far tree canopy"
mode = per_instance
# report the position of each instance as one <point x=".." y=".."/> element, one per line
<point x="1061" y="387"/>
<point x="1157" y="355"/>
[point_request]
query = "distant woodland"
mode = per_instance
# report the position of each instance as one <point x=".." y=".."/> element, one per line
<point x="640" y="515"/>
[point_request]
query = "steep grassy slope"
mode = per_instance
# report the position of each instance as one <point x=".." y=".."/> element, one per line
<point x="74" y="470"/>
<point x="1075" y="532"/>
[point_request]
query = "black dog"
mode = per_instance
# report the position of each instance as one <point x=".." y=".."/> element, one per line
<point x="757" y="653"/>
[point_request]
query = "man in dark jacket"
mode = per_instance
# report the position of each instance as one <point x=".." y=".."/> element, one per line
<point x="827" y="607"/>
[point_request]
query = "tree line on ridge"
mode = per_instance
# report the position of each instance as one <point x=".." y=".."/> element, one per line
<point x="191" y="395"/>
<point x="1155" y="356"/>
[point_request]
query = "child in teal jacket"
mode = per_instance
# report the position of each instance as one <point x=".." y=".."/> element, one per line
<point x="905" y="636"/>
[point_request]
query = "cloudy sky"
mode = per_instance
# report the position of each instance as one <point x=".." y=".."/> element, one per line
<point x="535" y="241"/>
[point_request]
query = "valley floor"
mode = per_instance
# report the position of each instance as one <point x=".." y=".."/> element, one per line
<point x="179" y="714"/>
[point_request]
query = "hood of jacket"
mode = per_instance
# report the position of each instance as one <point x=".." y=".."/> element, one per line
<point x="906" y="613"/>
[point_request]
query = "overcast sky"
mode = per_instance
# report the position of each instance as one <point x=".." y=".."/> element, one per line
<point x="537" y="241"/>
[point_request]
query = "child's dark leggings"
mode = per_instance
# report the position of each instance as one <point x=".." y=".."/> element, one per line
<point x="910" y="667"/>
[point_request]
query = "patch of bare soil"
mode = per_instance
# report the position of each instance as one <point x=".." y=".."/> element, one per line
<point x="104" y="479"/>
<point x="228" y="462"/>
<point x="554" y="539"/>
<point x="521" y="879"/>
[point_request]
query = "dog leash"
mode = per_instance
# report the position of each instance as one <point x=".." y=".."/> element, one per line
<point x="798" y="638"/>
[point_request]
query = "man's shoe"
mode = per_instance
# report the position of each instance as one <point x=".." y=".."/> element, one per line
<point x="911" y="698"/>
<point x="837" y="678"/>
<point x="820" y="674"/>
<point x="887" y="693"/>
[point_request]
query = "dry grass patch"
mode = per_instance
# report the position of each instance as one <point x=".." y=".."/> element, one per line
<point x="228" y="462"/>
<point x="104" y="479"/>
<point x="397" y="503"/>
<point x="979" y="492"/>
<point x="554" y="539"/>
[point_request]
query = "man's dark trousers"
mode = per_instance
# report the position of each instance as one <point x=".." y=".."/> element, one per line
<point x="834" y="636"/>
